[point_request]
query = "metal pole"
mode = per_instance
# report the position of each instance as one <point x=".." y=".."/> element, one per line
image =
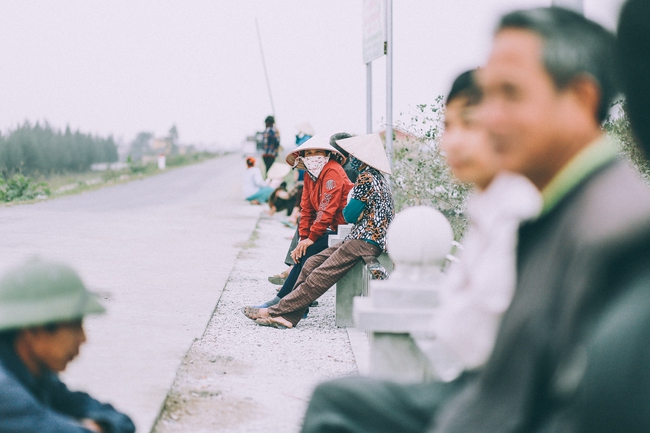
<point x="576" y="5"/>
<point x="389" y="81"/>
<point x="266" y="74"/>
<point x="369" y="98"/>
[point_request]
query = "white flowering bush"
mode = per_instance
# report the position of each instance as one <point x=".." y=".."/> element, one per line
<point x="421" y="175"/>
<point x="619" y="128"/>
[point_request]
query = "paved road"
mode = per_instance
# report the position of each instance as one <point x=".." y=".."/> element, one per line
<point x="159" y="251"/>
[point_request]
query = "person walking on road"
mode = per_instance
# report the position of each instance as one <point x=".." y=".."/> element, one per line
<point x="42" y="305"/>
<point x="270" y="142"/>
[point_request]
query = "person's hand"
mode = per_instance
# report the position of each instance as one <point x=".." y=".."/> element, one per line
<point x="91" y="425"/>
<point x="301" y="249"/>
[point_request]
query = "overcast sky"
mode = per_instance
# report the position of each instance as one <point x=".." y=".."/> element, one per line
<point x="124" y="66"/>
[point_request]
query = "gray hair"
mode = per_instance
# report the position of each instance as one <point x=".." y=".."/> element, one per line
<point x="573" y="47"/>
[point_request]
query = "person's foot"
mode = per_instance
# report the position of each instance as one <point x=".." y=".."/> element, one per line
<point x="275" y="322"/>
<point x="255" y="313"/>
<point x="377" y="271"/>
<point x="279" y="279"/>
<point x="262" y="317"/>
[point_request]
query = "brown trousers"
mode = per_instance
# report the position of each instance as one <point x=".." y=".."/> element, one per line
<point x="320" y="273"/>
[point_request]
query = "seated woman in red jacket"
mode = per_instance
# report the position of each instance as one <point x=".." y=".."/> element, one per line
<point x="325" y="192"/>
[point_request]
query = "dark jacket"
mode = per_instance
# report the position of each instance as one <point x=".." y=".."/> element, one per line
<point x="45" y="405"/>
<point x="569" y="268"/>
<point x="270" y="142"/>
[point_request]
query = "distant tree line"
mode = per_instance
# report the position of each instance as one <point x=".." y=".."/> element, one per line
<point x="41" y="149"/>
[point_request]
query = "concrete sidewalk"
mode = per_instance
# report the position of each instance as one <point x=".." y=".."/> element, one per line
<point x="242" y="377"/>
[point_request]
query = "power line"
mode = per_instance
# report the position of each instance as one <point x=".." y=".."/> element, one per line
<point x="266" y="74"/>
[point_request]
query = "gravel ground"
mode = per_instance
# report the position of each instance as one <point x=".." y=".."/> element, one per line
<point x="242" y="377"/>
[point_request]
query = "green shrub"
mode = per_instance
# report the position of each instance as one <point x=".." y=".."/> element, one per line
<point x="138" y="168"/>
<point x="188" y="158"/>
<point x="620" y="130"/>
<point x="21" y="188"/>
<point x="420" y="173"/>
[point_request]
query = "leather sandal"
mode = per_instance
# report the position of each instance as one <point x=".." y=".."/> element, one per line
<point x="273" y="322"/>
<point x="252" y="313"/>
<point x="278" y="279"/>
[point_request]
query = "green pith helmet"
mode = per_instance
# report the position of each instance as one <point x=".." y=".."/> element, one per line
<point x="40" y="292"/>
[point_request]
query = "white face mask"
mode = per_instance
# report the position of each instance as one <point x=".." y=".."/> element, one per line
<point x="315" y="164"/>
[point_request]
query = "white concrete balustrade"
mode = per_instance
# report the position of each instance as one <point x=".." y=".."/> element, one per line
<point x="398" y="311"/>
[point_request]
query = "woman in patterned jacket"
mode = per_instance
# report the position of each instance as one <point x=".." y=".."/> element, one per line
<point x="370" y="209"/>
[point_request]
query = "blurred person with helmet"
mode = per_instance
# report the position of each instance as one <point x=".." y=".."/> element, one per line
<point x="42" y="306"/>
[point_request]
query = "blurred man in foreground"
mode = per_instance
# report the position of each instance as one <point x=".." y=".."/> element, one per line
<point x="478" y="287"/>
<point x="547" y="87"/>
<point x="42" y="305"/>
<point x="613" y="393"/>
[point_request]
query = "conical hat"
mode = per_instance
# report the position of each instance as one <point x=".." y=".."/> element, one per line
<point x="316" y="142"/>
<point x="278" y="170"/>
<point x="369" y="149"/>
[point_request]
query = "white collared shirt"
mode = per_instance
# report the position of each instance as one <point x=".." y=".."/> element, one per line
<point x="479" y="287"/>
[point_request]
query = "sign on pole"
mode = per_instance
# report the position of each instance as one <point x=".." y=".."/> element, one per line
<point x="374" y="30"/>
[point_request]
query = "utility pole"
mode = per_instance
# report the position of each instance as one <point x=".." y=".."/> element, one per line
<point x="389" y="81"/>
<point x="266" y="74"/>
<point x="373" y="47"/>
<point x="369" y="98"/>
<point x="377" y="42"/>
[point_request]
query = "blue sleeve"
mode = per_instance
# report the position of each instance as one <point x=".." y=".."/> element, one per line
<point x="81" y="405"/>
<point x="353" y="210"/>
<point x="21" y="412"/>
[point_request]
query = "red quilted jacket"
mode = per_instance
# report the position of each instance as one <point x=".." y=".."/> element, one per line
<point x="323" y="201"/>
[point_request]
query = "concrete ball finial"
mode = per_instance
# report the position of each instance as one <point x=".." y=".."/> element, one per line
<point x="419" y="236"/>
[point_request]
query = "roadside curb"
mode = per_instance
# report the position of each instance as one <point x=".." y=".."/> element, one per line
<point x="242" y="377"/>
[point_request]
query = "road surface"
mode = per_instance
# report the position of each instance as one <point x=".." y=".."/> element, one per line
<point x="159" y="251"/>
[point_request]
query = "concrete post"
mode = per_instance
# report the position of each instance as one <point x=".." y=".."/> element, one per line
<point x="354" y="283"/>
<point x="369" y="98"/>
<point x="162" y="161"/>
<point x="419" y="240"/>
<point x="389" y="81"/>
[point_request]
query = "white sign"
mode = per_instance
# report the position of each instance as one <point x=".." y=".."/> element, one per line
<point x="374" y="30"/>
